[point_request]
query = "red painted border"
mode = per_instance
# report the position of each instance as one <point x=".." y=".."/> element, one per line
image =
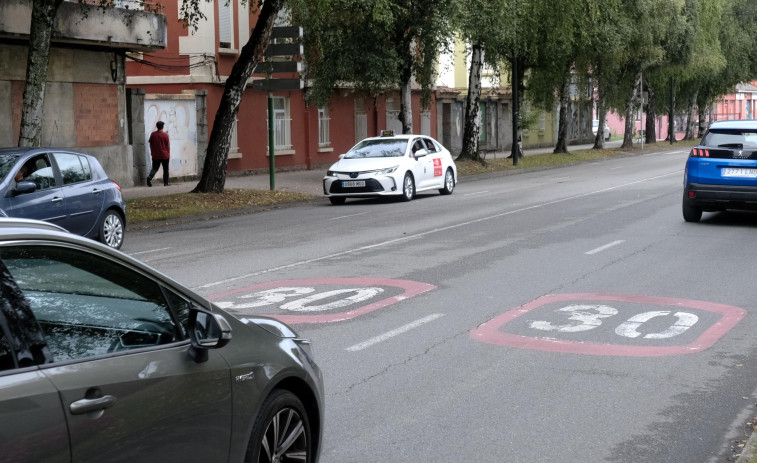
<point x="489" y="331"/>
<point x="412" y="288"/>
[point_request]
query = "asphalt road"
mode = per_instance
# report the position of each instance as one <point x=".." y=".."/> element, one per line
<point x="560" y="315"/>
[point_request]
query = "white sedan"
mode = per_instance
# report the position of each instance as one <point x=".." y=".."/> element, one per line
<point x="391" y="165"/>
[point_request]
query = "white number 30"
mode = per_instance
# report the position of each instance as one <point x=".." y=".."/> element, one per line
<point x="588" y="317"/>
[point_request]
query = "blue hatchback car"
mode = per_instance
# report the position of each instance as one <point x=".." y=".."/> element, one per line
<point x="721" y="172"/>
<point x="67" y="188"/>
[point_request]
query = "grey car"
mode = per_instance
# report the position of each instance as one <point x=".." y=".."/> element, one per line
<point x="104" y="359"/>
<point x="64" y="187"/>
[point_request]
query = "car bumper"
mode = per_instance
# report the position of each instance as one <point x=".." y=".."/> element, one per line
<point x="373" y="186"/>
<point x="719" y="197"/>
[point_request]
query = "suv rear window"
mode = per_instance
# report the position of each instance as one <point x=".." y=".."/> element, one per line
<point x="731" y="138"/>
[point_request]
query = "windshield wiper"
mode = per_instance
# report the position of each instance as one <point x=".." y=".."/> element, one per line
<point x="732" y="145"/>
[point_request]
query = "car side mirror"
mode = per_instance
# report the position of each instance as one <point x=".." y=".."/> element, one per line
<point x="207" y="331"/>
<point x="24" y="187"/>
<point x="420" y="153"/>
<point x="342" y="155"/>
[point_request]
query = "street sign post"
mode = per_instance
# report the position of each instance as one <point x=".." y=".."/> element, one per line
<point x="270" y="84"/>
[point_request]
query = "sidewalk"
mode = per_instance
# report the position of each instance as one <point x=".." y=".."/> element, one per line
<point x="299" y="181"/>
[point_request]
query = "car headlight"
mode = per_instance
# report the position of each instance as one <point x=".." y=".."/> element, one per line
<point x="330" y="173"/>
<point x="386" y="171"/>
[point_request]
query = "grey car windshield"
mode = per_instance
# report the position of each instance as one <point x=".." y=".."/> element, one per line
<point x="731" y="138"/>
<point x="390" y="148"/>
<point x="7" y="161"/>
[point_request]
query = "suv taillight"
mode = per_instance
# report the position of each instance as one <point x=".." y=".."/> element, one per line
<point x="117" y="185"/>
<point x="700" y="153"/>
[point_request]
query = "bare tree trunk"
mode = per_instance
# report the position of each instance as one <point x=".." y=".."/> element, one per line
<point x="650" y="132"/>
<point x="214" y="170"/>
<point x="702" y="122"/>
<point x="690" y="117"/>
<point x="406" y="106"/>
<point x="472" y="124"/>
<point x="630" y="122"/>
<point x="562" y="127"/>
<point x="599" y="140"/>
<point x="38" y="54"/>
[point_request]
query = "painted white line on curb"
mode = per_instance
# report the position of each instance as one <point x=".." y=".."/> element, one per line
<point x="393" y="333"/>
<point x="146" y="252"/>
<point x="605" y="247"/>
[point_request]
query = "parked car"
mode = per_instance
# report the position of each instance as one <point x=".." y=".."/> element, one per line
<point x="63" y="187"/>
<point x="391" y="165"/>
<point x="104" y="359"/>
<point x="595" y="127"/>
<point x="721" y="171"/>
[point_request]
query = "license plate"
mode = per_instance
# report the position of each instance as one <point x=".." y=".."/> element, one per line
<point x="743" y="172"/>
<point x="353" y="183"/>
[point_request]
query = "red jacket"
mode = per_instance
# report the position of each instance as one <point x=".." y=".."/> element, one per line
<point x="160" y="145"/>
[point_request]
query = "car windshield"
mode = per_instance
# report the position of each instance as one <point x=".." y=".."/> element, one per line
<point x="7" y="161"/>
<point x="389" y="148"/>
<point x="731" y="138"/>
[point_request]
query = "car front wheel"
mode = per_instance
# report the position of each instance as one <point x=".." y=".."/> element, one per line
<point x="691" y="213"/>
<point x="281" y="432"/>
<point x="408" y="187"/>
<point x="449" y="183"/>
<point x="112" y="230"/>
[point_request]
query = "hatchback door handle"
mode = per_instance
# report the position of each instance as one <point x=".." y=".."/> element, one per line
<point x="57" y="199"/>
<point x="83" y="406"/>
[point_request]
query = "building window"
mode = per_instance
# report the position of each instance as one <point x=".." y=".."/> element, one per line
<point x="426" y="123"/>
<point x="281" y="124"/>
<point x="482" y="121"/>
<point x="361" y="120"/>
<point x="542" y="121"/>
<point x="323" y="127"/>
<point x="225" y="24"/>
<point x="234" y="141"/>
<point x="393" y="115"/>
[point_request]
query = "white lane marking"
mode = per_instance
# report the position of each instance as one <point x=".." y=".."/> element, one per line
<point x="347" y="216"/>
<point x="395" y="332"/>
<point x="146" y="252"/>
<point x="476" y="193"/>
<point x="605" y="247"/>
<point x="429" y="232"/>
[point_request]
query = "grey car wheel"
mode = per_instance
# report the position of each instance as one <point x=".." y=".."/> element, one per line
<point x="281" y="432"/>
<point x="112" y="230"/>
<point x="449" y="183"/>
<point x="408" y="187"/>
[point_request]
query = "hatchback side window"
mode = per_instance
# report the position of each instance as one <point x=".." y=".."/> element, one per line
<point x="88" y="305"/>
<point x="40" y="171"/>
<point x="71" y="168"/>
<point x="418" y="145"/>
<point x="431" y="146"/>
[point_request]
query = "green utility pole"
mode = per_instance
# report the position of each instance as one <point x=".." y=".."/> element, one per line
<point x="271" y="162"/>
<point x="281" y="58"/>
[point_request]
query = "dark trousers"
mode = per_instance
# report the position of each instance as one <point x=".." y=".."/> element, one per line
<point x="156" y="163"/>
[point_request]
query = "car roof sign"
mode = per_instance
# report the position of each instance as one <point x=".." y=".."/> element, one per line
<point x="387" y="133"/>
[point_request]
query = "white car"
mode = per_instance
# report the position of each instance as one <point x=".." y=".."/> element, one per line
<point x="391" y="165"/>
<point x="595" y="127"/>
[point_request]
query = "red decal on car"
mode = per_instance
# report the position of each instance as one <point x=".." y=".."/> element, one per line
<point x="437" y="167"/>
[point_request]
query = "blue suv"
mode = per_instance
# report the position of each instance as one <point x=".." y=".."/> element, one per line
<point x="721" y="172"/>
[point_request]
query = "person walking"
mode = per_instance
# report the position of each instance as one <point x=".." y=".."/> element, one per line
<point x="160" y="152"/>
